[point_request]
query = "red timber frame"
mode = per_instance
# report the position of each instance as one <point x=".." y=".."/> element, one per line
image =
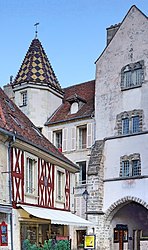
<point x="45" y="183"/>
<point x="67" y="191"/>
<point x="17" y="169"/>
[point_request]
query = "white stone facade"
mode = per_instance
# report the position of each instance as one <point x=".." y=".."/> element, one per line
<point x="127" y="47"/>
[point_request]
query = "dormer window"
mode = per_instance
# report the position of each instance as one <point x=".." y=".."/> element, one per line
<point x="76" y="103"/>
<point x="74" y="108"/>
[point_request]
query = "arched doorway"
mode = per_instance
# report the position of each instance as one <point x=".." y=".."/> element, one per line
<point x="129" y="224"/>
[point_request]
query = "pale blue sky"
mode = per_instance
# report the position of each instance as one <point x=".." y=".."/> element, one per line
<point x="72" y="32"/>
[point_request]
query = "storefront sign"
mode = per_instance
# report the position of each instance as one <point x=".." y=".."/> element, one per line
<point x="89" y="241"/>
<point x="3" y="234"/>
<point x="61" y="237"/>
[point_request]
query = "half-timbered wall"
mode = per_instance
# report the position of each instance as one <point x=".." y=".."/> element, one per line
<point x="17" y="168"/>
<point x="44" y="182"/>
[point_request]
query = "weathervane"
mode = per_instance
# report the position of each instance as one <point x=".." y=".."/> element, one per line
<point x="36" y="32"/>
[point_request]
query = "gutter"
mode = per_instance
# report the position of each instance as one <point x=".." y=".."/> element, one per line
<point x="14" y="136"/>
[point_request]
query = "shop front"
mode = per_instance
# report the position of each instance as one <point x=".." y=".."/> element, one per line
<point x="41" y="224"/>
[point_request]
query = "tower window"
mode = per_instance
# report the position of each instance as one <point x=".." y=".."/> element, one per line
<point x="24" y="98"/>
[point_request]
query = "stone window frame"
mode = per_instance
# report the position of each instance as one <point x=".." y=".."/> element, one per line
<point x="130" y="158"/>
<point x="131" y="69"/>
<point x="130" y="115"/>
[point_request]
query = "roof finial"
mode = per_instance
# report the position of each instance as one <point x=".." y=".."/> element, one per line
<point x="36" y="32"/>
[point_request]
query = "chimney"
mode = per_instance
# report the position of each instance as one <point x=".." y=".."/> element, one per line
<point x="111" y="31"/>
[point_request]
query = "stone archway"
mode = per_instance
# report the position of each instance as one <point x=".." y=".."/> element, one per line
<point x="131" y="212"/>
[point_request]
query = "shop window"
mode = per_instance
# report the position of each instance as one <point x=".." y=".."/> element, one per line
<point x="82" y="173"/>
<point x="35" y="233"/>
<point x="80" y="238"/>
<point x="132" y="75"/>
<point x="82" y="134"/>
<point x="58" y="139"/>
<point x="130" y="165"/>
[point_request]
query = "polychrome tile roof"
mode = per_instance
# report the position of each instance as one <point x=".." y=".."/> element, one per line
<point x="14" y="121"/>
<point x="36" y="67"/>
<point x="84" y="92"/>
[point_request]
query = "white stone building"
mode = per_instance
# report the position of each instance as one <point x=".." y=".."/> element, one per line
<point x="120" y="177"/>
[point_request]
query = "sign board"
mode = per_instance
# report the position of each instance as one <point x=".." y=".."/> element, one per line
<point x="3" y="234"/>
<point x="89" y="241"/>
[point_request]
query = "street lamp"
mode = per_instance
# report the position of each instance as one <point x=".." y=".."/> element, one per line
<point x="85" y="197"/>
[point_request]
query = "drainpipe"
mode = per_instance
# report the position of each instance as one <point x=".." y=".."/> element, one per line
<point x="10" y="187"/>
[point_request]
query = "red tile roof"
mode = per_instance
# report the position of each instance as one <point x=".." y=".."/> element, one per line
<point x="14" y="121"/>
<point x="84" y="92"/>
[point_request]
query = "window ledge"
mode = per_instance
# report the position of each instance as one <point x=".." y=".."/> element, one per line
<point x="31" y="195"/>
<point x="22" y="105"/>
<point x="126" y="178"/>
<point x="131" y="87"/>
<point x="60" y="201"/>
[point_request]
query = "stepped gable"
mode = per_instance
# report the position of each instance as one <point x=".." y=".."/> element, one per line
<point x="84" y="93"/>
<point x="36" y="68"/>
<point x="15" y="122"/>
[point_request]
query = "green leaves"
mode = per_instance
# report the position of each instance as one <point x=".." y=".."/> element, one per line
<point x="48" y="245"/>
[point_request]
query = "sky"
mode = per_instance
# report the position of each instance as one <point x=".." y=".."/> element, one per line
<point x="72" y="33"/>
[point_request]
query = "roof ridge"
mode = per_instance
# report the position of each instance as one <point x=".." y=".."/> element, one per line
<point x="77" y="84"/>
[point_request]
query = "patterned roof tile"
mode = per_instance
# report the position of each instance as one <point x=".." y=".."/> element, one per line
<point x="36" y="67"/>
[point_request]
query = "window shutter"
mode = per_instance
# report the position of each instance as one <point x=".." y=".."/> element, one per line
<point x="73" y="138"/>
<point x="89" y="135"/>
<point x="50" y="136"/>
<point x="64" y="145"/>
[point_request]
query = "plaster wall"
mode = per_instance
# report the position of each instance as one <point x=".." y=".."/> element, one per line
<point x="114" y="149"/>
<point x="41" y="103"/>
<point x="4" y="174"/>
<point x="129" y="45"/>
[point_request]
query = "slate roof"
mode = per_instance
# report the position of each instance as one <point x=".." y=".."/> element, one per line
<point x="36" y="67"/>
<point x="14" y="121"/>
<point x="84" y="92"/>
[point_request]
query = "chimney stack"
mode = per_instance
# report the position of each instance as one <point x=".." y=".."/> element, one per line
<point x="111" y="31"/>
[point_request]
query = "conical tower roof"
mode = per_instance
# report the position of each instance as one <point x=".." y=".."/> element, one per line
<point x="36" y="67"/>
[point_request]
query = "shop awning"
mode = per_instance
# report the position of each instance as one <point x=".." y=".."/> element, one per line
<point x="56" y="216"/>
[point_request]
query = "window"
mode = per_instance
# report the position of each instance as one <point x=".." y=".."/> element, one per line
<point x="132" y="75"/>
<point x="82" y="174"/>
<point x="24" y="98"/>
<point x="125" y="168"/>
<point x="125" y="126"/>
<point x="30" y="164"/>
<point x="130" y="165"/>
<point x="135" y="124"/>
<point x="74" y="108"/>
<point x="60" y="176"/>
<point x="129" y="122"/>
<point x="82" y="137"/>
<point x="120" y="232"/>
<point x="58" y="139"/>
